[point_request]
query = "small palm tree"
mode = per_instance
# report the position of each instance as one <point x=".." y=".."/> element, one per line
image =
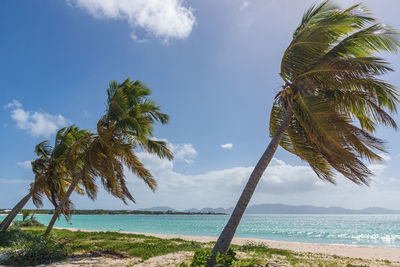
<point x="53" y="163"/>
<point x="127" y="125"/>
<point x="26" y="213"/>
<point x="330" y="83"/>
<point x="51" y="175"/>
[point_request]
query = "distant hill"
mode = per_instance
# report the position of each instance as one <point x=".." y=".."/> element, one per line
<point x="287" y="209"/>
<point x="308" y="209"/>
<point x="377" y="210"/>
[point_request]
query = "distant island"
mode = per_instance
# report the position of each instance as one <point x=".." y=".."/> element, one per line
<point x="121" y="212"/>
<point x="284" y="209"/>
<point x="254" y="209"/>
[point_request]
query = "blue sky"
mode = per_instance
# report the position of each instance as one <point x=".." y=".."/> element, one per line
<point x="213" y="67"/>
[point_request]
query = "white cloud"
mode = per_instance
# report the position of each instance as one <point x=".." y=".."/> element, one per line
<point x="285" y="183"/>
<point x="184" y="152"/>
<point x="377" y="169"/>
<point x="13" y="104"/>
<point x="227" y="146"/>
<point x="36" y="123"/>
<point x="281" y="183"/>
<point x="166" y="19"/>
<point x="385" y="157"/>
<point x="219" y="187"/>
<point x="25" y="164"/>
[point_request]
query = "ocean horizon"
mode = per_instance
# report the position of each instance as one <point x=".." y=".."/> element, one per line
<point x="359" y="230"/>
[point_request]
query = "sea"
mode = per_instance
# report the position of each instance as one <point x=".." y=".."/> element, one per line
<point x="365" y="230"/>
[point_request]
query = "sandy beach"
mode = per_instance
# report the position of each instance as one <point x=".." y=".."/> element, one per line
<point x="362" y="252"/>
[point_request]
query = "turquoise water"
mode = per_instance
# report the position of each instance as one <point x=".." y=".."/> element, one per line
<point x="370" y="230"/>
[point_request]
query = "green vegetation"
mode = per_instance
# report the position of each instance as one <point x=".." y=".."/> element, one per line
<point x="27" y="246"/>
<point x="79" y="157"/>
<point x="31" y="222"/>
<point x="26" y="213"/>
<point x="201" y="257"/>
<point x="124" y="245"/>
<point x="127" y="125"/>
<point x="51" y="176"/>
<point x="330" y="103"/>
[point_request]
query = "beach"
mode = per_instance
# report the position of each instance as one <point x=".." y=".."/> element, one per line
<point x="374" y="239"/>
<point x="362" y="252"/>
<point x="90" y="247"/>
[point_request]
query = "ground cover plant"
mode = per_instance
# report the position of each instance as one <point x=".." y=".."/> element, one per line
<point x="24" y="248"/>
<point x="27" y="246"/>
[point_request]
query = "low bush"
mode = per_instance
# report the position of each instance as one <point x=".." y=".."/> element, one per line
<point x="201" y="257"/>
<point x="13" y="237"/>
<point x="25" y="249"/>
<point x="32" y="222"/>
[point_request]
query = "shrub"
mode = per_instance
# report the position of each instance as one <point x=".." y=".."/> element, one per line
<point x="32" y="222"/>
<point x="201" y="258"/>
<point x="28" y="249"/>
<point x="13" y="237"/>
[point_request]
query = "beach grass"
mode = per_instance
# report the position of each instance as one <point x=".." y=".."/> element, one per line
<point x="118" y="244"/>
<point x="143" y="248"/>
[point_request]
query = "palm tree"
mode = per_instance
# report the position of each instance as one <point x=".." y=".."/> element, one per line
<point x="330" y="84"/>
<point x="127" y="125"/>
<point x="51" y="175"/>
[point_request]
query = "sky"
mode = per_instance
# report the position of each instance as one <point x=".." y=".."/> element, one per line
<point x="212" y="66"/>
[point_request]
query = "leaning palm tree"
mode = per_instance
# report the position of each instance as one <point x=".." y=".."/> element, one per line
<point x="331" y="100"/>
<point x="127" y="125"/>
<point x="51" y="175"/>
<point x="46" y="168"/>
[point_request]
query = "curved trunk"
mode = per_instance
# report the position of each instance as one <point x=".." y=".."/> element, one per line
<point x="60" y="206"/>
<point x="227" y="234"/>
<point x="14" y="212"/>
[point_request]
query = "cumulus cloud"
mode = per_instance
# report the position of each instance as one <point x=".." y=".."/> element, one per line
<point x="221" y="187"/>
<point x="25" y="164"/>
<point x="227" y="146"/>
<point x="166" y="19"/>
<point x="184" y="152"/>
<point x="13" y="104"/>
<point x="281" y="183"/>
<point x="35" y="123"/>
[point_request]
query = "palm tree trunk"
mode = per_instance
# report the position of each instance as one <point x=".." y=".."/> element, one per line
<point x="14" y="212"/>
<point x="60" y="206"/>
<point x="227" y="234"/>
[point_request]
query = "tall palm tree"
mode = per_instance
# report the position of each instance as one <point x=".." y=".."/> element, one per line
<point x="51" y="175"/>
<point x="331" y="100"/>
<point x="127" y="125"/>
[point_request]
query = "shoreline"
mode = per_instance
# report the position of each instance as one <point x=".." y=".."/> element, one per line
<point x="351" y="251"/>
